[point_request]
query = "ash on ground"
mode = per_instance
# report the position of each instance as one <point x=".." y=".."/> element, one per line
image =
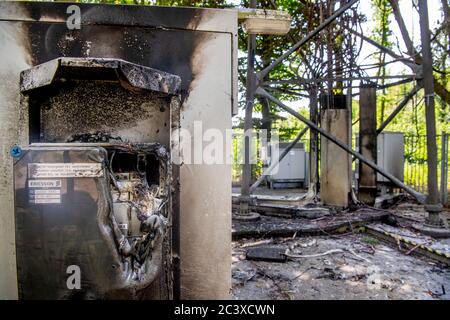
<point x="361" y="267"/>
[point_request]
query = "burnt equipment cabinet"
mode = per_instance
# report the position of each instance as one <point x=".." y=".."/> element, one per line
<point x="93" y="222"/>
<point x="94" y="214"/>
<point x="94" y="207"/>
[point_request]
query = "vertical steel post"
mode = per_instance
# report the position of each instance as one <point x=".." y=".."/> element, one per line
<point x="248" y="122"/>
<point x="444" y="168"/>
<point x="367" y="179"/>
<point x="313" y="140"/>
<point x="433" y="205"/>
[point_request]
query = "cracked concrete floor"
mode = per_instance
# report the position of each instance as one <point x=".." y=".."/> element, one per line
<point x="373" y="271"/>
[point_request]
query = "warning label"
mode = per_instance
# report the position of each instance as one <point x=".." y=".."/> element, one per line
<point x="64" y="170"/>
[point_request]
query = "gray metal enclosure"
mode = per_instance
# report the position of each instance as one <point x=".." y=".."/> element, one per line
<point x="197" y="45"/>
<point x="293" y="169"/>
<point x="391" y="155"/>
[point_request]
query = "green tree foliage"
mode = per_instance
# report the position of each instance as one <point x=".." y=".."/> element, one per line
<point x="412" y="119"/>
<point x="382" y="34"/>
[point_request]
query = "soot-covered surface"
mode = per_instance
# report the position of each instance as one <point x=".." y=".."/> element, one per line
<point x="364" y="269"/>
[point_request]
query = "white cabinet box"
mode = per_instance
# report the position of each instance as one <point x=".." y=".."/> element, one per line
<point x="292" y="170"/>
<point x="390" y="154"/>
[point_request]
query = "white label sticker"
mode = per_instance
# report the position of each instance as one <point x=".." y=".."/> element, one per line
<point x="64" y="170"/>
<point x="46" y="196"/>
<point x="47" y="191"/>
<point x="43" y="196"/>
<point x="44" y="201"/>
<point x="44" y="183"/>
<point x="123" y="226"/>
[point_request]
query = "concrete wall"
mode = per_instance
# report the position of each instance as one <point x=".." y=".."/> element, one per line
<point x="334" y="162"/>
<point x="367" y="177"/>
<point x="200" y="46"/>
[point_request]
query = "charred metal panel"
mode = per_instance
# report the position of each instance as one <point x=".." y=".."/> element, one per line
<point x="123" y="113"/>
<point x="81" y="100"/>
<point x="333" y="101"/>
<point x="106" y="32"/>
<point x="64" y="199"/>
<point x="157" y="17"/>
<point x="199" y="45"/>
<point x="135" y="76"/>
<point x="72" y="96"/>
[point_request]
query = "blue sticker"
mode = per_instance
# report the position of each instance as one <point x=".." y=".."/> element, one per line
<point x="16" y="151"/>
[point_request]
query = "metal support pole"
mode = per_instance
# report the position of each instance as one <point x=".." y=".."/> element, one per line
<point x="439" y="88"/>
<point x="367" y="180"/>
<point x="405" y="61"/>
<point x="248" y="126"/>
<point x="400" y="107"/>
<point x="417" y="195"/>
<point x="403" y="30"/>
<point x="308" y="37"/>
<point x="433" y="205"/>
<point x="276" y="162"/>
<point x="314" y="142"/>
<point x="444" y="168"/>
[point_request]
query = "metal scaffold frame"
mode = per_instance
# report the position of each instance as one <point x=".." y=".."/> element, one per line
<point x="421" y="66"/>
